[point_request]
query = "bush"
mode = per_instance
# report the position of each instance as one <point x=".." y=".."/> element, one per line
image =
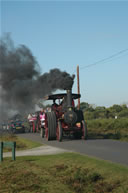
<point x="108" y="128"/>
<point x="123" y="113"/>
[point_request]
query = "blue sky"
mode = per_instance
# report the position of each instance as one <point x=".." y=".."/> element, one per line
<point x="62" y="34"/>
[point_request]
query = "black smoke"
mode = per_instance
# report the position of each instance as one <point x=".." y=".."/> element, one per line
<point x="21" y="83"/>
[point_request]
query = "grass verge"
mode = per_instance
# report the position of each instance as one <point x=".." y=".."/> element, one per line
<point x="108" y="129"/>
<point x="67" y="173"/>
<point x="21" y="144"/>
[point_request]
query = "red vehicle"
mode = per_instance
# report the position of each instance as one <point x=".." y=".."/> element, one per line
<point x="64" y="118"/>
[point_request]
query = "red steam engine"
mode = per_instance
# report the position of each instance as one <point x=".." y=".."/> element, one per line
<point x="64" y="118"/>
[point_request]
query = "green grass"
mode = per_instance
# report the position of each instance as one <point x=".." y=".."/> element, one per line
<point x="108" y="129"/>
<point x="66" y="173"/>
<point x="21" y="144"/>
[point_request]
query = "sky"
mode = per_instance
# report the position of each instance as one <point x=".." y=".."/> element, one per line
<point x="64" y="34"/>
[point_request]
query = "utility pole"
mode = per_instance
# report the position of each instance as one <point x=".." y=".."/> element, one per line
<point x="78" y="86"/>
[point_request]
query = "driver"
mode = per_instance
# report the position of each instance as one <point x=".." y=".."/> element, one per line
<point x="54" y="105"/>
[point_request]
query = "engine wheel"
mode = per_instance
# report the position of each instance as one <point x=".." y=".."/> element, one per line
<point x="59" y="132"/>
<point x="84" y="130"/>
<point x="51" y="128"/>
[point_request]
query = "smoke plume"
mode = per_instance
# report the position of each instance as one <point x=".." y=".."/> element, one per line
<point x="21" y="83"/>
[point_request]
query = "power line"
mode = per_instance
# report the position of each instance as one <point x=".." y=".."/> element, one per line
<point x="105" y="59"/>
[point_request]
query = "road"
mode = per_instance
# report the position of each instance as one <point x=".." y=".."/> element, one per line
<point x="111" y="150"/>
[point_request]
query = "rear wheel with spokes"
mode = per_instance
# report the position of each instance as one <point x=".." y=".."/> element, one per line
<point x="84" y="130"/>
<point x="59" y="131"/>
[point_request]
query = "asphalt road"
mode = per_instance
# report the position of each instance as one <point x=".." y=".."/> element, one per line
<point x="111" y="150"/>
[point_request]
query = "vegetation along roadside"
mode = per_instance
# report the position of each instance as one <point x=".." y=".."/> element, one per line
<point x="106" y="123"/>
<point x="67" y="172"/>
<point x="21" y="143"/>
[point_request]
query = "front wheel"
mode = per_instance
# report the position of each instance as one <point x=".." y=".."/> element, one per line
<point x="59" y="132"/>
<point x="84" y="130"/>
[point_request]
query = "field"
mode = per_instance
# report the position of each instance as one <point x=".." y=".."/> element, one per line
<point x="67" y="173"/>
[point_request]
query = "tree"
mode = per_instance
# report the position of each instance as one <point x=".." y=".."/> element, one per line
<point x="124" y="113"/>
<point x="116" y="108"/>
<point x="84" y="106"/>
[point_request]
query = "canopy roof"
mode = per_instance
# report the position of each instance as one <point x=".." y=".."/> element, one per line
<point x="60" y="96"/>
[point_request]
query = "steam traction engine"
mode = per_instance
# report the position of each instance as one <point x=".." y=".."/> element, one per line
<point x="64" y="118"/>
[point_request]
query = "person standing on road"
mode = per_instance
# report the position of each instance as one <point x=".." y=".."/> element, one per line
<point x="42" y="121"/>
<point x="30" y="120"/>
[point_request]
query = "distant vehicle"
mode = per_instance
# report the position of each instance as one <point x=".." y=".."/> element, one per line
<point x="16" y="126"/>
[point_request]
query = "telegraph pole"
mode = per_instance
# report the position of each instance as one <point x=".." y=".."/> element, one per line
<point x="78" y="86"/>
